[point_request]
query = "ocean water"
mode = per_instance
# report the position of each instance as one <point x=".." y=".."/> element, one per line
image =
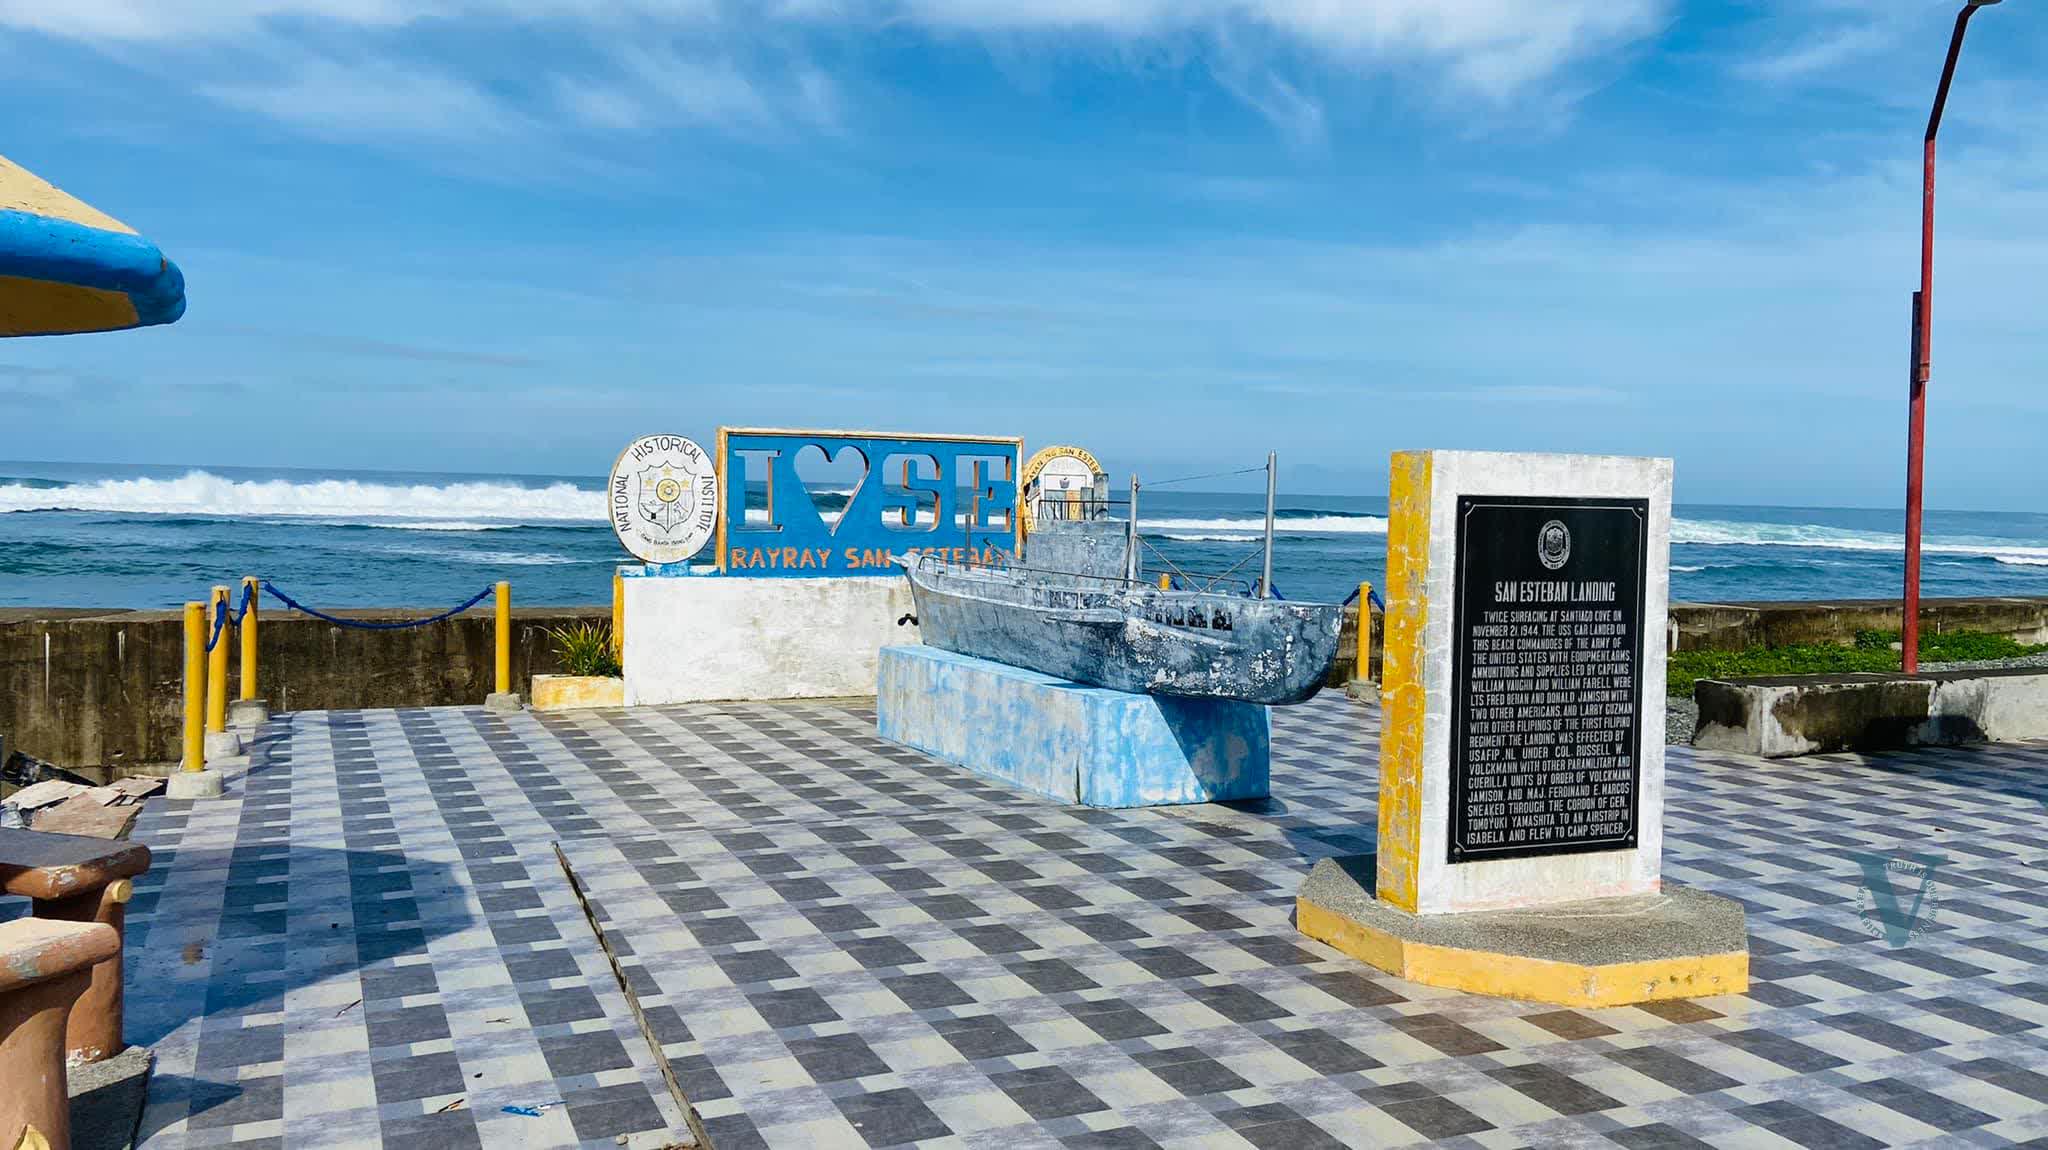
<point x="112" y="536"/>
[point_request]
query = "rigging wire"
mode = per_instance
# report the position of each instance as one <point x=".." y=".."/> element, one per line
<point x="1192" y="478"/>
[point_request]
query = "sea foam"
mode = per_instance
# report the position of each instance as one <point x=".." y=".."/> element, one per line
<point x="451" y="507"/>
<point x="1722" y="533"/>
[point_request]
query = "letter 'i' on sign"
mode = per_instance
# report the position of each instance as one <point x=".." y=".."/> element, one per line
<point x="662" y="498"/>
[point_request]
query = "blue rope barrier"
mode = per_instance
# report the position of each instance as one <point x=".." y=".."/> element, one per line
<point x="1373" y="598"/>
<point x="222" y="619"/>
<point x="220" y="624"/>
<point x="365" y="625"/>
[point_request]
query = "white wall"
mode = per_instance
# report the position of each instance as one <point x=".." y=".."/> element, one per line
<point x="691" y="638"/>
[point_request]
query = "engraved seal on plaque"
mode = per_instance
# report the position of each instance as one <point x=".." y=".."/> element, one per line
<point x="662" y="498"/>
<point x="1554" y="545"/>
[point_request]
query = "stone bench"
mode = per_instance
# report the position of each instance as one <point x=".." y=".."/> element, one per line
<point x="1776" y="716"/>
<point x="45" y="968"/>
<point x="79" y="879"/>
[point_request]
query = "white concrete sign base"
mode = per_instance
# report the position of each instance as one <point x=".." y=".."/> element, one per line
<point x="701" y="638"/>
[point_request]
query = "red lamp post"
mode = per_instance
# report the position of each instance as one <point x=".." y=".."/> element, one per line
<point x="1922" y="356"/>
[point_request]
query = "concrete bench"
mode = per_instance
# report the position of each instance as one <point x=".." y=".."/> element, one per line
<point x="1776" y="716"/>
<point x="45" y="968"/>
<point x="79" y="879"/>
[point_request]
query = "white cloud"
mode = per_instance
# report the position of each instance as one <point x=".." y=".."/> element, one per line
<point x="1494" y="45"/>
<point x="703" y="61"/>
<point x="162" y="20"/>
<point x="185" y="20"/>
<point x="375" y="99"/>
<point x="700" y="89"/>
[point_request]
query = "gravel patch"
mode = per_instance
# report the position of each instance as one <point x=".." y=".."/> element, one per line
<point x="1680" y="717"/>
<point x="2040" y="660"/>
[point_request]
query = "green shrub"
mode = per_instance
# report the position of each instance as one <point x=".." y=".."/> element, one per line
<point x="1872" y="651"/>
<point x="586" y="649"/>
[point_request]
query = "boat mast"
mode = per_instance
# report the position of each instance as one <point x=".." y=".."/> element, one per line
<point x="1272" y="478"/>
<point x="1131" y="535"/>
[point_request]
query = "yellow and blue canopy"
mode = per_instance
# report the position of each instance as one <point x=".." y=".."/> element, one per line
<point x="68" y="267"/>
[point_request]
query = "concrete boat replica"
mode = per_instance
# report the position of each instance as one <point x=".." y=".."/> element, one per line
<point x="1128" y="636"/>
<point x="1078" y="609"/>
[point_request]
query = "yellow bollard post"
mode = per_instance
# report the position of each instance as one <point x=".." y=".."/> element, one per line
<point x="195" y="687"/>
<point x="217" y="666"/>
<point x="618" y="615"/>
<point x="250" y="590"/>
<point x="504" y="636"/>
<point x="1363" y="668"/>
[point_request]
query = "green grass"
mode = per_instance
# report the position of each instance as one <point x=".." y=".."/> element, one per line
<point x="1872" y="652"/>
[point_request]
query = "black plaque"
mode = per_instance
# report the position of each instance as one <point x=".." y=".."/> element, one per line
<point x="1546" y="675"/>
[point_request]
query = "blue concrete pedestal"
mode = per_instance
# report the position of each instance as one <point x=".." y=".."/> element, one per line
<point x="1074" y="743"/>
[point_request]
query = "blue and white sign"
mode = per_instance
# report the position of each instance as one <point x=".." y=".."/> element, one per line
<point x="950" y="495"/>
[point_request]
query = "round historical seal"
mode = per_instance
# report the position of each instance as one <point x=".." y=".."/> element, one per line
<point x="1054" y="476"/>
<point x="663" y="498"/>
<point x="1554" y="544"/>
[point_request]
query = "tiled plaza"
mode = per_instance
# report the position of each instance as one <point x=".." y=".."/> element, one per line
<point x="839" y="942"/>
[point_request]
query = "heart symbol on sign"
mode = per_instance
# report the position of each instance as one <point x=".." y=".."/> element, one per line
<point x="831" y="480"/>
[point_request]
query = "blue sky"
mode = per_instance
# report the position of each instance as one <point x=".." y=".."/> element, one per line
<point x="508" y="235"/>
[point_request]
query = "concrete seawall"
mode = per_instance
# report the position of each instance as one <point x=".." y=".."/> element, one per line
<point x="1735" y="626"/>
<point x="94" y="688"/>
<point x="90" y="688"/>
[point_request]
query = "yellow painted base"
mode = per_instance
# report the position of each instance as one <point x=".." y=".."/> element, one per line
<point x="575" y="692"/>
<point x="1519" y="976"/>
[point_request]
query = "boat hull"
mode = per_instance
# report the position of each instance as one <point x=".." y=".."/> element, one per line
<point x="1128" y="637"/>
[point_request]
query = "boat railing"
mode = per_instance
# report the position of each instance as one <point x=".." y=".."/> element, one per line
<point x="1194" y="582"/>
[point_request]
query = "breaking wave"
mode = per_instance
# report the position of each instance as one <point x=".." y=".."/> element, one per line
<point x="1297" y="524"/>
<point x="430" y="507"/>
<point x="1721" y="533"/>
<point x="487" y="505"/>
<point x="488" y="558"/>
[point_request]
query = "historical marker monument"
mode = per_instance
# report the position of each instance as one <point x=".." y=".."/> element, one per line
<point x="1522" y="750"/>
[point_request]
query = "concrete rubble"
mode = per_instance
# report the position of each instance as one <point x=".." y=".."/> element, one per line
<point x="61" y="807"/>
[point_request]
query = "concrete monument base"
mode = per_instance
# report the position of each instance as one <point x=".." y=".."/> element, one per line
<point x="503" y="702"/>
<point x="1678" y="943"/>
<point x="223" y="744"/>
<point x="1078" y="744"/>
<point x="248" y="714"/>
<point x="577" y="692"/>
<point x="184" y="784"/>
<point x="692" y="638"/>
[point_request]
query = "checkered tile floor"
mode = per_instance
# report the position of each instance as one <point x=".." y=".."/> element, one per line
<point x="840" y="942"/>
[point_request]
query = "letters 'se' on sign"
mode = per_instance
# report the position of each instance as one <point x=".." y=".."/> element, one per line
<point x="663" y="498"/>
